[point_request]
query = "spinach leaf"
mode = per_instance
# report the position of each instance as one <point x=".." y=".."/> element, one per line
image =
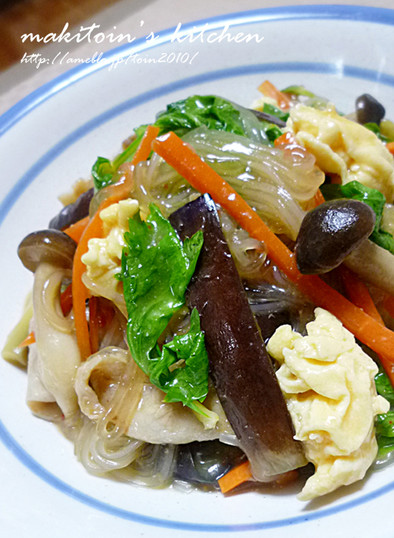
<point x="272" y="132"/>
<point x="374" y="198"/>
<point x="156" y="269"/>
<point x="128" y="153"/>
<point x="298" y="90"/>
<point x="384" y="423"/>
<point x="190" y="350"/>
<point x="385" y="445"/>
<point x="213" y="112"/>
<point x="275" y="111"/>
<point x="384" y="386"/>
<point x="103" y="169"/>
<point x="102" y="172"/>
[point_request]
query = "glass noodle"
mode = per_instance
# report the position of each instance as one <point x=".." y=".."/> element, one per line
<point x="276" y="184"/>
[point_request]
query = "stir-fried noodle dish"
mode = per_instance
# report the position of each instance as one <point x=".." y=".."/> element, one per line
<point x="214" y="307"/>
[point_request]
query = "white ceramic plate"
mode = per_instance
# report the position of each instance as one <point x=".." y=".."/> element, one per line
<point x="51" y="138"/>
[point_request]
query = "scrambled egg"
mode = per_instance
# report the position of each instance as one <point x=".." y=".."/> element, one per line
<point x="344" y="147"/>
<point x="328" y="384"/>
<point x="103" y="258"/>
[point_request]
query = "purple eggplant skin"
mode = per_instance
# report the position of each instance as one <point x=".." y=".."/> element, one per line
<point x="240" y="366"/>
<point x="73" y="212"/>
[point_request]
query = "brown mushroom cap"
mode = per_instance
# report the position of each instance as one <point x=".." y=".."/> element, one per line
<point x="47" y="246"/>
<point x="330" y="232"/>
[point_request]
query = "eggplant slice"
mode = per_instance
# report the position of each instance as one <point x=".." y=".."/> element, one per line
<point x="240" y="366"/>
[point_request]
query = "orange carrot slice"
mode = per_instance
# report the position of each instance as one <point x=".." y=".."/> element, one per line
<point x="30" y="339"/>
<point x="76" y="230"/>
<point x="359" y="294"/>
<point x="388" y="304"/>
<point x="236" y="476"/>
<point x="269" y="90"/>
<point x="390" y="147"/>
<point x="319" y="198"/>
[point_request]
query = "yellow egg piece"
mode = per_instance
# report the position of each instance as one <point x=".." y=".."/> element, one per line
<point x="328" y="383"/>
<point x="344" y="147"/>
<point x="103" y="258"/>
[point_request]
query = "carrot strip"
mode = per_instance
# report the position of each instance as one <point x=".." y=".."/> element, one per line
<point x="388" y="304"/>
<point x="121" y="190"/>
<point x="66" y="300"/>
<point x="145" y="148"/>
<point x="390" y="147"/>
<point x="105" y="313"/>
<point x="30" y="339"/>
<point x="285" y="139"/>
<point x="335" y="179"/>
<point x="117" y="192"/>
<point x="319" y="198"/>
<point x="76" y="230"/>
<point x="236" y="476"/>
<point x="286" y="478"/>
<point x="269" y="90"/>
<point x="79" y="291"/>
<point x="204" y="179"/>
<point x="359" y="294"/>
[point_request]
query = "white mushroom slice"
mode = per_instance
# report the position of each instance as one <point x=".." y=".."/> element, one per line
<point x="158" y="422"/>
<point x="58" y="355"/>
<point x="374" y="264"/>
<point x="41" y="402"/>
<point x="113" y="391"/>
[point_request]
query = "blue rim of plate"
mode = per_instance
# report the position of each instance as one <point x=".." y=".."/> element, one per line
<point x="381" y="16"/>
<point x="16" y="113"/>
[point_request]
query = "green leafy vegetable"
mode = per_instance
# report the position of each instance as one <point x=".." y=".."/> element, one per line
<point x="298" y="90"/>
<point x="190" y="349"/>
<point x="275" y="111"/>
<point x="156" y="269"/>
<point x="213" y="112"/>
<point x="384" y="387"/>
<point x="272" y="132"/>
<point x="374" y="198"/>
<point x="385" y="445"/>
<point x="384" y="423"/>
<point x="129" y="152"/>
<point x="374" y="127"/>
<point x="103" y="169"/>
<point x="102" y="172"/>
